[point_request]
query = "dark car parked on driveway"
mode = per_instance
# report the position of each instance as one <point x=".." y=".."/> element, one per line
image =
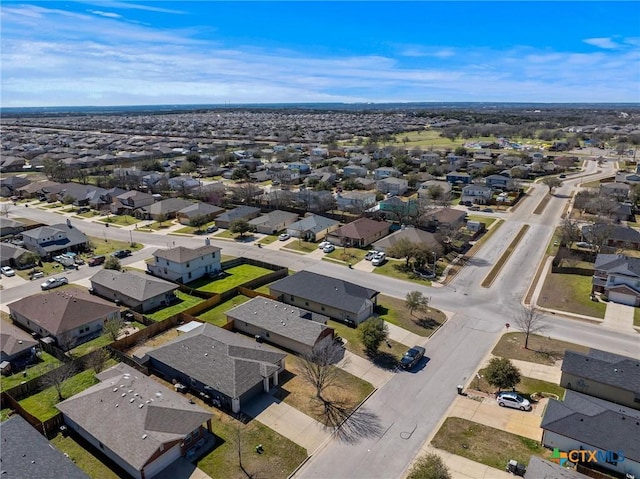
<point x="122" y="253"/>
<point x="96" y="260"/>
<point x="412" y="357"/>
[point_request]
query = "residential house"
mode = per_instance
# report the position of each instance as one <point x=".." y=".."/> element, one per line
<point x="366" y="183"/>
<point x="386" y="172"/>
<point x="136" y="422"/>
<point x="430" y="158"/>
<point x="27" y="454"/>
<point x="458" y="177"/>
<point x="477" y="194"/>
<point x="623" y="212"/>
<point x="128" y="202"/>
<point x="312" y="227"/>
<point x="273" y="221"/>
<point x="449" y="218"/>
<point x="182" y="265"/>
<point x="398" y="209"/>
<point x="539" y="468"/>
<point x="628" y="178"/>
<point x="237" y="213"/>
<point x="312" y="200"/>
<point x="55" y="239"/>
<point x="14" y="256"/>
<point x="414" y="235"/>
<point x="359" y="233"/>
<point x="36" y="189"/>
<point x="618" y="277"/>
<point x="15" y="343"/>
<point x="228" y="367"/>
<point x="351" y="171"/>
<point x="183" y="184"/>
<point x="325" y="295"/>
<point x="619" y="191"/>
<point x="604" y="375"/>
<point x="198" y="211"/>
<point x="498" y="181"/>
<point x="162" y="210"/>
<point x="582" y="422"/>
<point x="9" y="227"/>
<point x="138" y="291"/>
<point x="434" y="189"/>
<point x="12" y="163"/>
<point x="393" y="186"/>
<point x="70" y="316"/>
<point x="358" y="201"/>
<point x="10" y="185"/>
<point x="615" y="236"/>
<point x="281" y="324"/>
<point x="99" y="200"/>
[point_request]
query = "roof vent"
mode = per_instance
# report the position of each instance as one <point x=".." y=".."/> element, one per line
<point x="206" y="354"/>
<point x="144" y="436"/>
<point x="115" y="390"/>
<point x="117" y="404"/>
<point x="132" y="399"/>
<point x="158" y="394"/>
<point x="140" y="406"/>
<point x="124" y="394"/>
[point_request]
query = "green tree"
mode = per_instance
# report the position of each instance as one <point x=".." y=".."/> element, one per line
<point x="241" y="226"/>
<point x="372" y="333"/>
<point x="67" y="199"/>
<point x="502" y="374"/>
<point x="198" y="221"/>
<point x="416" y="301"/>
<point x="240" y="174"/>
<point x="552" y="183"/>
<point x="429" y="466"/>
<point x="403" y="248"/>
<point x="460" y="151"/>
<point x="188" y="167"/>
<point x="112" y="263"/>
<point x="28" y="259"/>
<point x="113" y="327"/>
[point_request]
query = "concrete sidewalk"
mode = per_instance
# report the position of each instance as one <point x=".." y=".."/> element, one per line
<point x="405" y="337"/>
<point x="619" y="317"/>
<point x="288" y="421"/>
<point x="463" y="468"/>
<point x="528" y="369"/>
<point x="364" y="369"/>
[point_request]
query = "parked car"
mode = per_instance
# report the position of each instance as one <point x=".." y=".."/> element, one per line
<point x="563" y="176"/>
<point x="412" y="357"/>
<point x="329" y="248"/>
<point x="96" y="260"/>
<point x="323" y="244"/>
<point x="54" y="283"/>
<point x="378" y="259"/>
<point x="7" y="271"/>
<point x="487" y="210"/>
<point x="211" y="229"/>
<point x="37" y="274"/>
<point x="474" y="208"/>
<point x="371" y="254"/>
<point x="284" y="236"/>
<point x="122" y="253"/>
<point x="514" y="400"/>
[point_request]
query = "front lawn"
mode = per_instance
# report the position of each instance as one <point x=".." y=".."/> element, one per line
<point x="102" y="247"/>
<point x="388" y="355"/>
<point x="301" y="246"/>
<point x="217" y="314"/>
<point x="122" y="220"/>
<point x="185" y="301"/>
<point x="84" y="459"/>
<point x="268" y="239"/>
<point x="526" y="386"/>
<point x="487" y="220"/>
<point x="395" y="312"/>
<point x="394" y="268"/>
<point x="542" y="349"/>
<point x="571" y="293"/>
<point x="636" y="317"/>
<point x="42" y="405"/>
<point x="194" y="230"/>
<point x="348" y="255"/>
<point x="484" y="444"/>
<point x="234" y="277"/>
<point x="45" y="363"/>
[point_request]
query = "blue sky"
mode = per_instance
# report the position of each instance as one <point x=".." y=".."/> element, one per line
<point x="140" y="53"/>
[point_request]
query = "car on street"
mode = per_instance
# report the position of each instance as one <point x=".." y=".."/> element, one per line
<point x="513" y="400"/>
<point x="329" y="248"/>
<point x="324" y="244"/>
<point x="7" y="271"/>
<point x="378" y="259"/>
<point x="487" y="210"/>
<point x="122" y="253"/>
<point x="96" y="260"/>
<point x="53" y="283"/>
<point x="474" y="208"/>
<point x="412" y="357"/>
<point x="284" y="237"/>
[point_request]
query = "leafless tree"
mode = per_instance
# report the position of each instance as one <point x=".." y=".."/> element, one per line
<point x="529" y="320"/>
<point x="318" y="367"/>
<point x="56" y="377"/>
<point x="569" y="232"/>
<point x="112" y="327"/>
<point x="5" y="208"/>
<point x="98" y="359"/>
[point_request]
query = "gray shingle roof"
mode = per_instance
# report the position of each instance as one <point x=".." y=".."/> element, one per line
<point x="314" y="223"/>
<point x="238" y="213"/>
<point x="592" y="421"/>
<point x="14" y="340"/>
<point x="279" y="318"/>
<point x="199" y="209"/>
<point x="181" y="254"/>
<point x="618" y="263"/>
<point x="72" y="236"/>
<point x="540" y="469"/>
<point x="274" y="218"/>
<point x="228" y="362"/>
<point x="605" y="368"/>
<point x="168" y="206"/>
<point x="27" y="454"/>
<point x="138" y="286"/>
<point x="325" y="290"/>
<point x="111" y="412"/>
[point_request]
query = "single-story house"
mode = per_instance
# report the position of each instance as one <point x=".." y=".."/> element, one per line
<point x="182" y="264"/>
<point x="15" y="342"/>
<point x="618" y="190"/>
<point x="10" y="185"/>
<point x="617" y="236"/>
<point x="273" y="221"/>
<point x="312" y="227"/>
<point x="414" y="235"/>
<point x="281" y="324"/>
<point x="135" y="421"/>
<point x="394" y="186"/>
<point x="477" y="194"/>
<point x="228" y="367"/>
<point x="205" y="211"/>
<point x="59" y="238"/>
<point x="70" y="316"/>
<point x="10" y="227"/>
<point x="366" y="183"/>
<point x="27" y="454"/>
<point x="583" y="422"/>
<point x="434" y="189"/>
<point x="237" y="213"/>
<point x="605" y="375"/>
<point x="138" y="291"/>
<point x="618" y="277"/>
<point x="333" y="297"/>
<point x="359" y="233"/>
<point x="445" y="217"/>
<point x="355" y="200"/>
<point x="12" y="255"/>
<point x="162" y="210"/>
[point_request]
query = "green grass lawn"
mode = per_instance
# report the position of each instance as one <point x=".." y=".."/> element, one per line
<point x="86" y="348"/>
<point x="217" y="316"/>
<point x="526" y="386"/>
<point x="301" y="246"/>
<point x="186" y="301"/>
<point x="46" y="363"/>
<point x="4" y="414"/>
<point x="192" y="230"/>
<point x="122" y="220"/>
<point x="424" y="323"/>
<point x="235" y="276"/>
<point x="394" y="268"/>
<point x="157" y="226"/>
<point x="268" y="239"/>
<point x="488" y="221"/>
<point x="484" y="444"/>
<point x="48" y="268"/>
<point x="542" y="349"/>
<point x="571" y="293"/>
<point x="348" y="255"/>
<point x="51" y="206"/>
<point x="636" y="317"/>
<point x="354" y="345"/>
<point x="42" y="404"/>
<point x="84" y="459"/>
<point x="102" y="247"/>
<point x="88" y="214"/>
<point x="226" y="234"/>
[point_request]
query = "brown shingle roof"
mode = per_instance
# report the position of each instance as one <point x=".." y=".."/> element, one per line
<point x="362" y="228"/>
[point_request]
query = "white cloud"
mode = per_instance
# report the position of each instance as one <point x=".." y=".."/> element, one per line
<point x="606" y="43"/>
<point x="105" y="14"/>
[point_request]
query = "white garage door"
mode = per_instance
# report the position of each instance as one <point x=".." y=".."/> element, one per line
<point x="163" y="461"/>
<point x="622" y="298"/>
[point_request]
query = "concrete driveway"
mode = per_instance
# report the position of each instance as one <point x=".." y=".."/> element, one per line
<point x="182" y="469"/>
<point x="12" y="281"/>
<point x="364" y="369"/>
<point x="619" y="316"/>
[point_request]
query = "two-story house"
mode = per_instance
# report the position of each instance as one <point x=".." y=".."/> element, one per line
<point x="394" y="186"/>
<point x="354" y="171"/>
<point x="58" y="238"/>
<point x="499" y="181"/>
<point x="458" y="177"/>
<point x="386" y="172"/>
<point x="355" y="200"/>
<point x="618" y="277"/>
<point x="130" y="201"/>
<point x="477" y="194"/>
<point x="182" y="265"/>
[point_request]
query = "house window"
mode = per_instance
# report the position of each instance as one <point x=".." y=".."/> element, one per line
<point x="291" y="298"/>
<point x="189" y="275"/>
<point x="322" y="308"/>
<point x="101" y="445"/>
<point x="306" y="303"/>
<point x="187" y="265"/>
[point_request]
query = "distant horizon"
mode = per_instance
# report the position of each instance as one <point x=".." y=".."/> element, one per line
<point x="115" y="53"/>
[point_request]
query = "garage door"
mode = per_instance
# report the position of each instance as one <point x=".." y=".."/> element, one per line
<point x="622" y="298"/>
<point x="163" y="461"/>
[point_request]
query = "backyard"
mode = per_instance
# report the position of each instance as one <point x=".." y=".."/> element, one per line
<point x="217" y="314"/>
<point x="233" y="277"/>
<point x="185" y="301"/>
<point x="80" y="454"/>
<point x="44" y="364"/>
